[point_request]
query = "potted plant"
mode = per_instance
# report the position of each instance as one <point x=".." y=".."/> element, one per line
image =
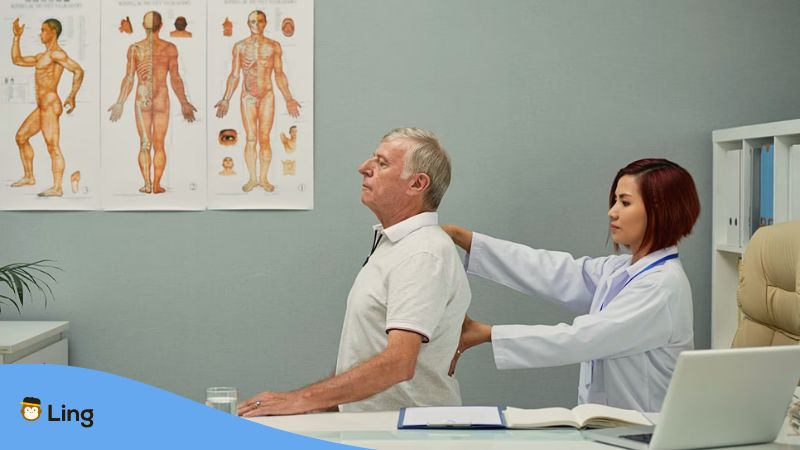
<point x="22" y="279"/>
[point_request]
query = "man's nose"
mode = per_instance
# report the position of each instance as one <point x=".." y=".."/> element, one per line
<point x="364" y="168"/>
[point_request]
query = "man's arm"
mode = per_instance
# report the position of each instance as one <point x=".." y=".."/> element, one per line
<point x="283" y="83"/>
<point x="16" y="55"/>
<point x="187" y="109"/>
<point x="230" y="86"/>
<point x="393" y="365"/>
<point x="126" y="87"/>
<point x="65" y="61"/>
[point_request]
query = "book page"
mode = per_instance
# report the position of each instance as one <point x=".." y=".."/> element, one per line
<point x="539" y="418"/>
<point x="456" y="416"/>
<point x="602" y="416"/>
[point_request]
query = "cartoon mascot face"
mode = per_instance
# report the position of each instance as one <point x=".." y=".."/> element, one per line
<point x="31" y="408"/>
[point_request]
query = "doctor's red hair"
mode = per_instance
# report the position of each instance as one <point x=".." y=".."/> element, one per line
<point x="670" y="200"/>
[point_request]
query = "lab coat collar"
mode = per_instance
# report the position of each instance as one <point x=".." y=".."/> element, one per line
<point x="402" y="229"/>
<point x="633" y="269"/>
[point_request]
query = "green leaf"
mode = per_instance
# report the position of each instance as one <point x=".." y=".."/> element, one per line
<point x="24" y="279"/>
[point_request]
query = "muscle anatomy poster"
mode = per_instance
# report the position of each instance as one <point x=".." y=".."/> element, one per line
<point x="261" y="110"/>
<point x="50" y="152"/>
<point x="157" y="104"/>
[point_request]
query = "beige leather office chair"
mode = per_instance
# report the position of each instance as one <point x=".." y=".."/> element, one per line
<point x="769" y="288"/>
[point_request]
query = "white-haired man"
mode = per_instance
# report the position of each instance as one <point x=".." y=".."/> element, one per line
<point x="406" y="306"/>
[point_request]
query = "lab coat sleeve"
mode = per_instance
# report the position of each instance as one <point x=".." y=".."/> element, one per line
<point x="556" y="276"/>
<point x="635" y="321"/>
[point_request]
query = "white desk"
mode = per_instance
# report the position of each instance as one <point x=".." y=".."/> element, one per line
<point x="30" y="342"/>
<point x="379" y="430"/>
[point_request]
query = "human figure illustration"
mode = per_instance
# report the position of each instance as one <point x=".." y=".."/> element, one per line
<point x="150" y="60"/>
<point x="227" y="167"/>
<point x="48" y="65"/>
<point x="289" y="142"/>
<point x="257" y="58"/>
<point x="180" y="28"/>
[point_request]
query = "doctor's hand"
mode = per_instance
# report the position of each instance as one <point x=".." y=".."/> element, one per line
<point x="272" y="404"/>
<point x="461" y="236"/>
<point x="472" y="333"/>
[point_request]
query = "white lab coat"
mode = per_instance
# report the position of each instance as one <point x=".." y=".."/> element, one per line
<point x="634" y="339"/>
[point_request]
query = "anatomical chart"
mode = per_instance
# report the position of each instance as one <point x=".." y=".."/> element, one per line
<point x="260" y="126"/>
<point x="49" y="95"/>
<point x="153" y="98"/>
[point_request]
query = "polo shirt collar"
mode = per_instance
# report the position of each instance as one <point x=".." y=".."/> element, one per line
<point x="633" y="269"/>
<point x="402" y="229"/>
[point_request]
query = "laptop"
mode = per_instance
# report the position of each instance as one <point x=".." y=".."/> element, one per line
<point x="718" y="398"/>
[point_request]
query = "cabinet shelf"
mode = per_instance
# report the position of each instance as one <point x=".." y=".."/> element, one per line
<point x="730" y="249"/>
<point x="756" y="179"/>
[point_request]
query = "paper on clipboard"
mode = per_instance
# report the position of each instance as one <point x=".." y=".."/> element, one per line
<point x="451" y="417"/>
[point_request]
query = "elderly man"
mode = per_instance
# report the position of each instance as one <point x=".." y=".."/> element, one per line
<point x="405" y="308"/>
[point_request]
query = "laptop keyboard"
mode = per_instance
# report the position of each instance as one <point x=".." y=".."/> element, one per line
<point x="639" y="437"/>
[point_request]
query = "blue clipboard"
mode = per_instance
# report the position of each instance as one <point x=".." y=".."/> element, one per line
<point x="451" y="424"/>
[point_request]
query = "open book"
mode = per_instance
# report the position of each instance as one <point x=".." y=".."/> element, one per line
<point x="582" y="416"/>
<point x="588" y="415"/>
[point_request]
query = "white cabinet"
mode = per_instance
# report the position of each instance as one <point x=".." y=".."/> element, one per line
<point x="744" y="189"/>
<point x="32" y="342"/>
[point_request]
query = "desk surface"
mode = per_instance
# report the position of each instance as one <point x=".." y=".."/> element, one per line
<point x="379" y="430"/>
<point x="16" y="335"/>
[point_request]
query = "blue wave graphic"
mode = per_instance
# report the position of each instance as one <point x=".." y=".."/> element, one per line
<point x="125" y="414"/>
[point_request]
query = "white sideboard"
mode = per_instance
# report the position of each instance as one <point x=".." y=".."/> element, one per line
<point x="33" y="342"/>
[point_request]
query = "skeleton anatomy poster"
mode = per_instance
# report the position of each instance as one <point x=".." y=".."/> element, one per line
<point x="157" y="104"/>
<point x="260" y="96"/>
<point x="153" y="89"/>
<point x="49" y="69"/>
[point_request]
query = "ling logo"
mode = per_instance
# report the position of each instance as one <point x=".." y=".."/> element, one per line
<point x="31" y="408"/>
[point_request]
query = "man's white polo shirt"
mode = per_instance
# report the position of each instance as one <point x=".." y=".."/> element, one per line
<point x="413" y="281"/>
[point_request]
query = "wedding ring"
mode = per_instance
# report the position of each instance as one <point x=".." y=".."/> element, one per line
<point x="257" y="404"/>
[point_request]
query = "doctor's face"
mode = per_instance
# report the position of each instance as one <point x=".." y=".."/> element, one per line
<point x="628" y="216"/>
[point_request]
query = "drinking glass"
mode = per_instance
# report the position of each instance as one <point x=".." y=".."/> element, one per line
<point x="222" y="398"/>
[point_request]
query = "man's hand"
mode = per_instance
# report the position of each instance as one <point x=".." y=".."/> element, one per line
<point x="116" y="111"/>
<point x="293" y="106"/>
<point x="188" y="110"/>
<point x="18" y="29"/>
<point x="472" y="334"/>
<point x="222" y="108"/>
<point x="272" y="404"/>
<point x="69" y="103"/>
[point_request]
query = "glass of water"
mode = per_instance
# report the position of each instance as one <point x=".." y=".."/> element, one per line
<point x="222" y="398"/>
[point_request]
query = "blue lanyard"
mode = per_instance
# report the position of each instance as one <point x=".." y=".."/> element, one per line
<point x="603" y="305"/>
<point x="654" y="264"/>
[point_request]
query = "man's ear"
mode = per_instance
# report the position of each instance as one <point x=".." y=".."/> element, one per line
<point x="419" y="183"/>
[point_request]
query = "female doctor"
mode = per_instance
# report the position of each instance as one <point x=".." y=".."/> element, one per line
<point x="635" y="310"/>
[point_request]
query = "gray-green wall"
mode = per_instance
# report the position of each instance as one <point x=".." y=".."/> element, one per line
<point x="539" y="103"/>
